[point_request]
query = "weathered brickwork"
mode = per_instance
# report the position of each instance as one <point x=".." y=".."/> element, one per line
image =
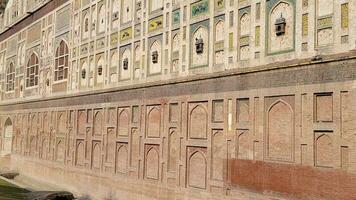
<point x="169" y="99"/>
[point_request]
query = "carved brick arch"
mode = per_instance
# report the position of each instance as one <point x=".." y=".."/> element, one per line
<point x="199" y="32"/>
<point x="33" y="124"/>
<point x="96" y="156"/>
<point x="80" y="154"/>
<point x="33" y="145"/>
<point x="32" y="70"/>
<point x="61" y="61"/>
<point x="62" y="125"/>
<point x="279" y="3"/>
<point x="7" y="137"/>
<point x="86" y="25"/>
<point x="99" y="71"/>
<point x="8" y="121"/>
<point x="198" y="123"/>
<point x="243" y="145"/>
<point x="44" y="148"/>
<point x="156" y="45"/>
<point x="46" y="122"/>
<point x="123" y="122"/>
<point x="245" y="23"/>
<point x="114" y="59"/>
<point x="126" y="53"/>
<point x="218" y="155"/>
<point x="155" y="66"/>
<point x="50" y="42"/>
<point x="137" y="53"/>
<point x="176" y="42"/>
<point x="122" y="158"/>
<point x="84" y="73"/>
<point x="134" y="148"/>
<point x="173" y="150"/>
<point x="114" y="62"/>
<point x="197" y="170"/>
<point x="199" y="29"/>
<point x="63" y="43"/>
<point x="324" y="153"/>
<point x="280" y="131"/>
<point x="125" y="68"/>
<point x="82" y="119"/>
<point x="102" y="17"/>
<point x="219" y="30"/>
<point x="98" y="123"/>
<point x="152" y="163"/>
<point x="200" y="58"/>
<point x="10" y="77"/>
<point x="154" y="122"/>
<point x="60" y="148"/>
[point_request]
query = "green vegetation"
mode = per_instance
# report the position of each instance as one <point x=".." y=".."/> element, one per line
<point x="9" y="191"/>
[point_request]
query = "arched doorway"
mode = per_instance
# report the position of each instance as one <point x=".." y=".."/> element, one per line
<point x="7" y="137"/>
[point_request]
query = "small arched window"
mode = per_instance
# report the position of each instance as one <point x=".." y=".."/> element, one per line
<point x="102" y="19"/>
<point x="61" y="62"/>
<point x="86" y="25"/>
<point x="32" y="71"/>
<point x="10" y="77"/>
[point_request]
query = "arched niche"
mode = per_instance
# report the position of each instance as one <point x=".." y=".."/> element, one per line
<point x="198" y="122"/>
<point x="200" y="58"/>
<point x="7" y="137"/>
<point x="98" y="123"/>
<point x="122" y="159"/>
<point x="155" y="57"/>
<point x="123" y="122"/>
<point x="197" y="170"/>
<point x="96" y="156"/>
<point x="281" y="42"/>
<point x="219" y="31"/>
<point x="125" y="66"/>
<point x="152" y="163"/>
<point x="102" y="17"/>
<point x="154" y="123"/>
<point x="280" y="133"/>
<point x="245" y="22"/>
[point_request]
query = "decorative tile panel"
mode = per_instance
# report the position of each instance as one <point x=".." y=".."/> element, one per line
<point x="305" y="24"/>
<point x="199" y="8"/>
<point x="114" y="38"/>
<point x="345" y="15"/>
<point x="325" y="22"/>
<point x="257" y="35"/>
<point x="155" y="24"/>
<point x="126" y="34"/>
<point x="244" y="40"/>
<point x="176" y="16"/>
